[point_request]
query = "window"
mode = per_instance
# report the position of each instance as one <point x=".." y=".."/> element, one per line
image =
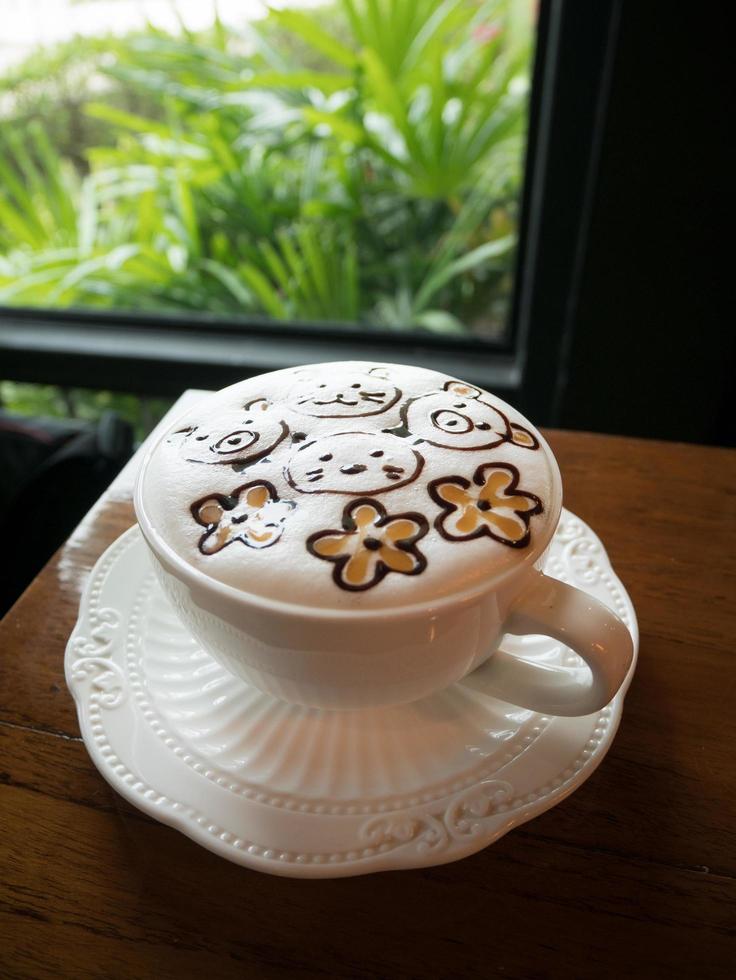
<point x="209" y="193"/>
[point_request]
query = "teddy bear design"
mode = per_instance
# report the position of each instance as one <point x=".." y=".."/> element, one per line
<point x="238" y="437"/>
<point x="353" y="463"/>
<point x="458" y="418"/>
<point x="346" y="396"/>
<point x="251" y="514"/>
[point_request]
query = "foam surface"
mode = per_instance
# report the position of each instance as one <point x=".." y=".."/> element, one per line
<point x="352" y="484"/>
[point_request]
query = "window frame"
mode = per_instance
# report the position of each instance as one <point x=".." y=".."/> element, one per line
<point x="162" y="353"/>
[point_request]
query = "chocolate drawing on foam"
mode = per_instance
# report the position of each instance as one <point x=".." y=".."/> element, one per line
<point x="370" y="544"/>
<point x="458" y="418"/>
<point x="251" y="514"/>
<point x="355" y="395"/>
<point x="491" y="505"/>
<point x="240" y="438"/>
<point x="353" y="463"/>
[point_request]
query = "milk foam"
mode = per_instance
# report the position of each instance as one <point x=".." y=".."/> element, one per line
<point x="352" y="485"/>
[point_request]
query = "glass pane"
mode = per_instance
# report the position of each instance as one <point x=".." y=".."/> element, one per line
<point x="357" y="161"/>
<point x="83" y="404"/>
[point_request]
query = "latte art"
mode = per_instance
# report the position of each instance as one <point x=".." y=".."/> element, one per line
<point x="352" y="483"/>
<point x="237" y="436"/>
<point x="354" y="462"/>
<point x="343" y="394"/>
<point x="457" y="417"/>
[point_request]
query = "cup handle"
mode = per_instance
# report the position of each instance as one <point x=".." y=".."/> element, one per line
<point x="582" y="623"/>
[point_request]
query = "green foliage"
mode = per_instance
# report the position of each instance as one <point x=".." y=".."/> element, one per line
<point x="52" y="87"/>
<point x="359" y="162"/>
<point x="49" y="401"/>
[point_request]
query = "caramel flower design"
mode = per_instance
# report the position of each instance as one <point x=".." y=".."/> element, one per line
<point x="491" y="505"/>
<point x="252" y="514"/>
<point x="371" y="544"/>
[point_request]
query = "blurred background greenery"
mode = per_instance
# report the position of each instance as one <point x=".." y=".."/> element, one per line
<point x="357" y="161"/>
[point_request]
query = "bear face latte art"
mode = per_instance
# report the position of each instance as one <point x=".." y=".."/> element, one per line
<point x="352" y="483"/>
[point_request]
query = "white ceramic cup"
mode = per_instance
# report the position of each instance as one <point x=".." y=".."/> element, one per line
<point x="362" y="658"/>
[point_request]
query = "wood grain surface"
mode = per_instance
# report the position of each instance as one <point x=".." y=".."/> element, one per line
<point x="634" y="875"/>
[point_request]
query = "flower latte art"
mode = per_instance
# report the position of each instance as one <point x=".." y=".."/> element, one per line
<point x="372" y="544"/>
<point x="353" y="484"/>
<point x="494" y="507"/>
<point x="251" y="514"/>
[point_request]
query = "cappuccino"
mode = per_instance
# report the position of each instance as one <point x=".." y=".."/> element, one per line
<point x="353" y="485"/>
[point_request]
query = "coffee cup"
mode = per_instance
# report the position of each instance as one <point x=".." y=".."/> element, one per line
<point x="353" y="534"/>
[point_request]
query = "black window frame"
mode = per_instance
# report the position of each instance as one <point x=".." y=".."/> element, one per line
<point x="161" y="354"/>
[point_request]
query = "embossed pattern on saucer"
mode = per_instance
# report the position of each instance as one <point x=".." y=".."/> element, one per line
<point x="247" y="776"/>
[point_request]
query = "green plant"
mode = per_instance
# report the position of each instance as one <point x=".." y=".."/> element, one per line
<point x="52" y="86"/>
<point x="358" y="162"/>
<point x="50" y="401"/>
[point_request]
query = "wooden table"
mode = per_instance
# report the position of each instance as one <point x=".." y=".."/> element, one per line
<point x="633" y="875"/>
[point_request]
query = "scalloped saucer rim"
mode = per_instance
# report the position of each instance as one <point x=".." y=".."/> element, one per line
<point x="145" y="758"/>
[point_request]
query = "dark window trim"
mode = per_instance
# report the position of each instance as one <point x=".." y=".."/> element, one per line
<point x="152" y="355"/>
<point x="574" y="87"/>
<point x="164" y="353"/>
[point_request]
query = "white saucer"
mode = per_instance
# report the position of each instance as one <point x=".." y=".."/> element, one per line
<point x="297" y="791"/>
